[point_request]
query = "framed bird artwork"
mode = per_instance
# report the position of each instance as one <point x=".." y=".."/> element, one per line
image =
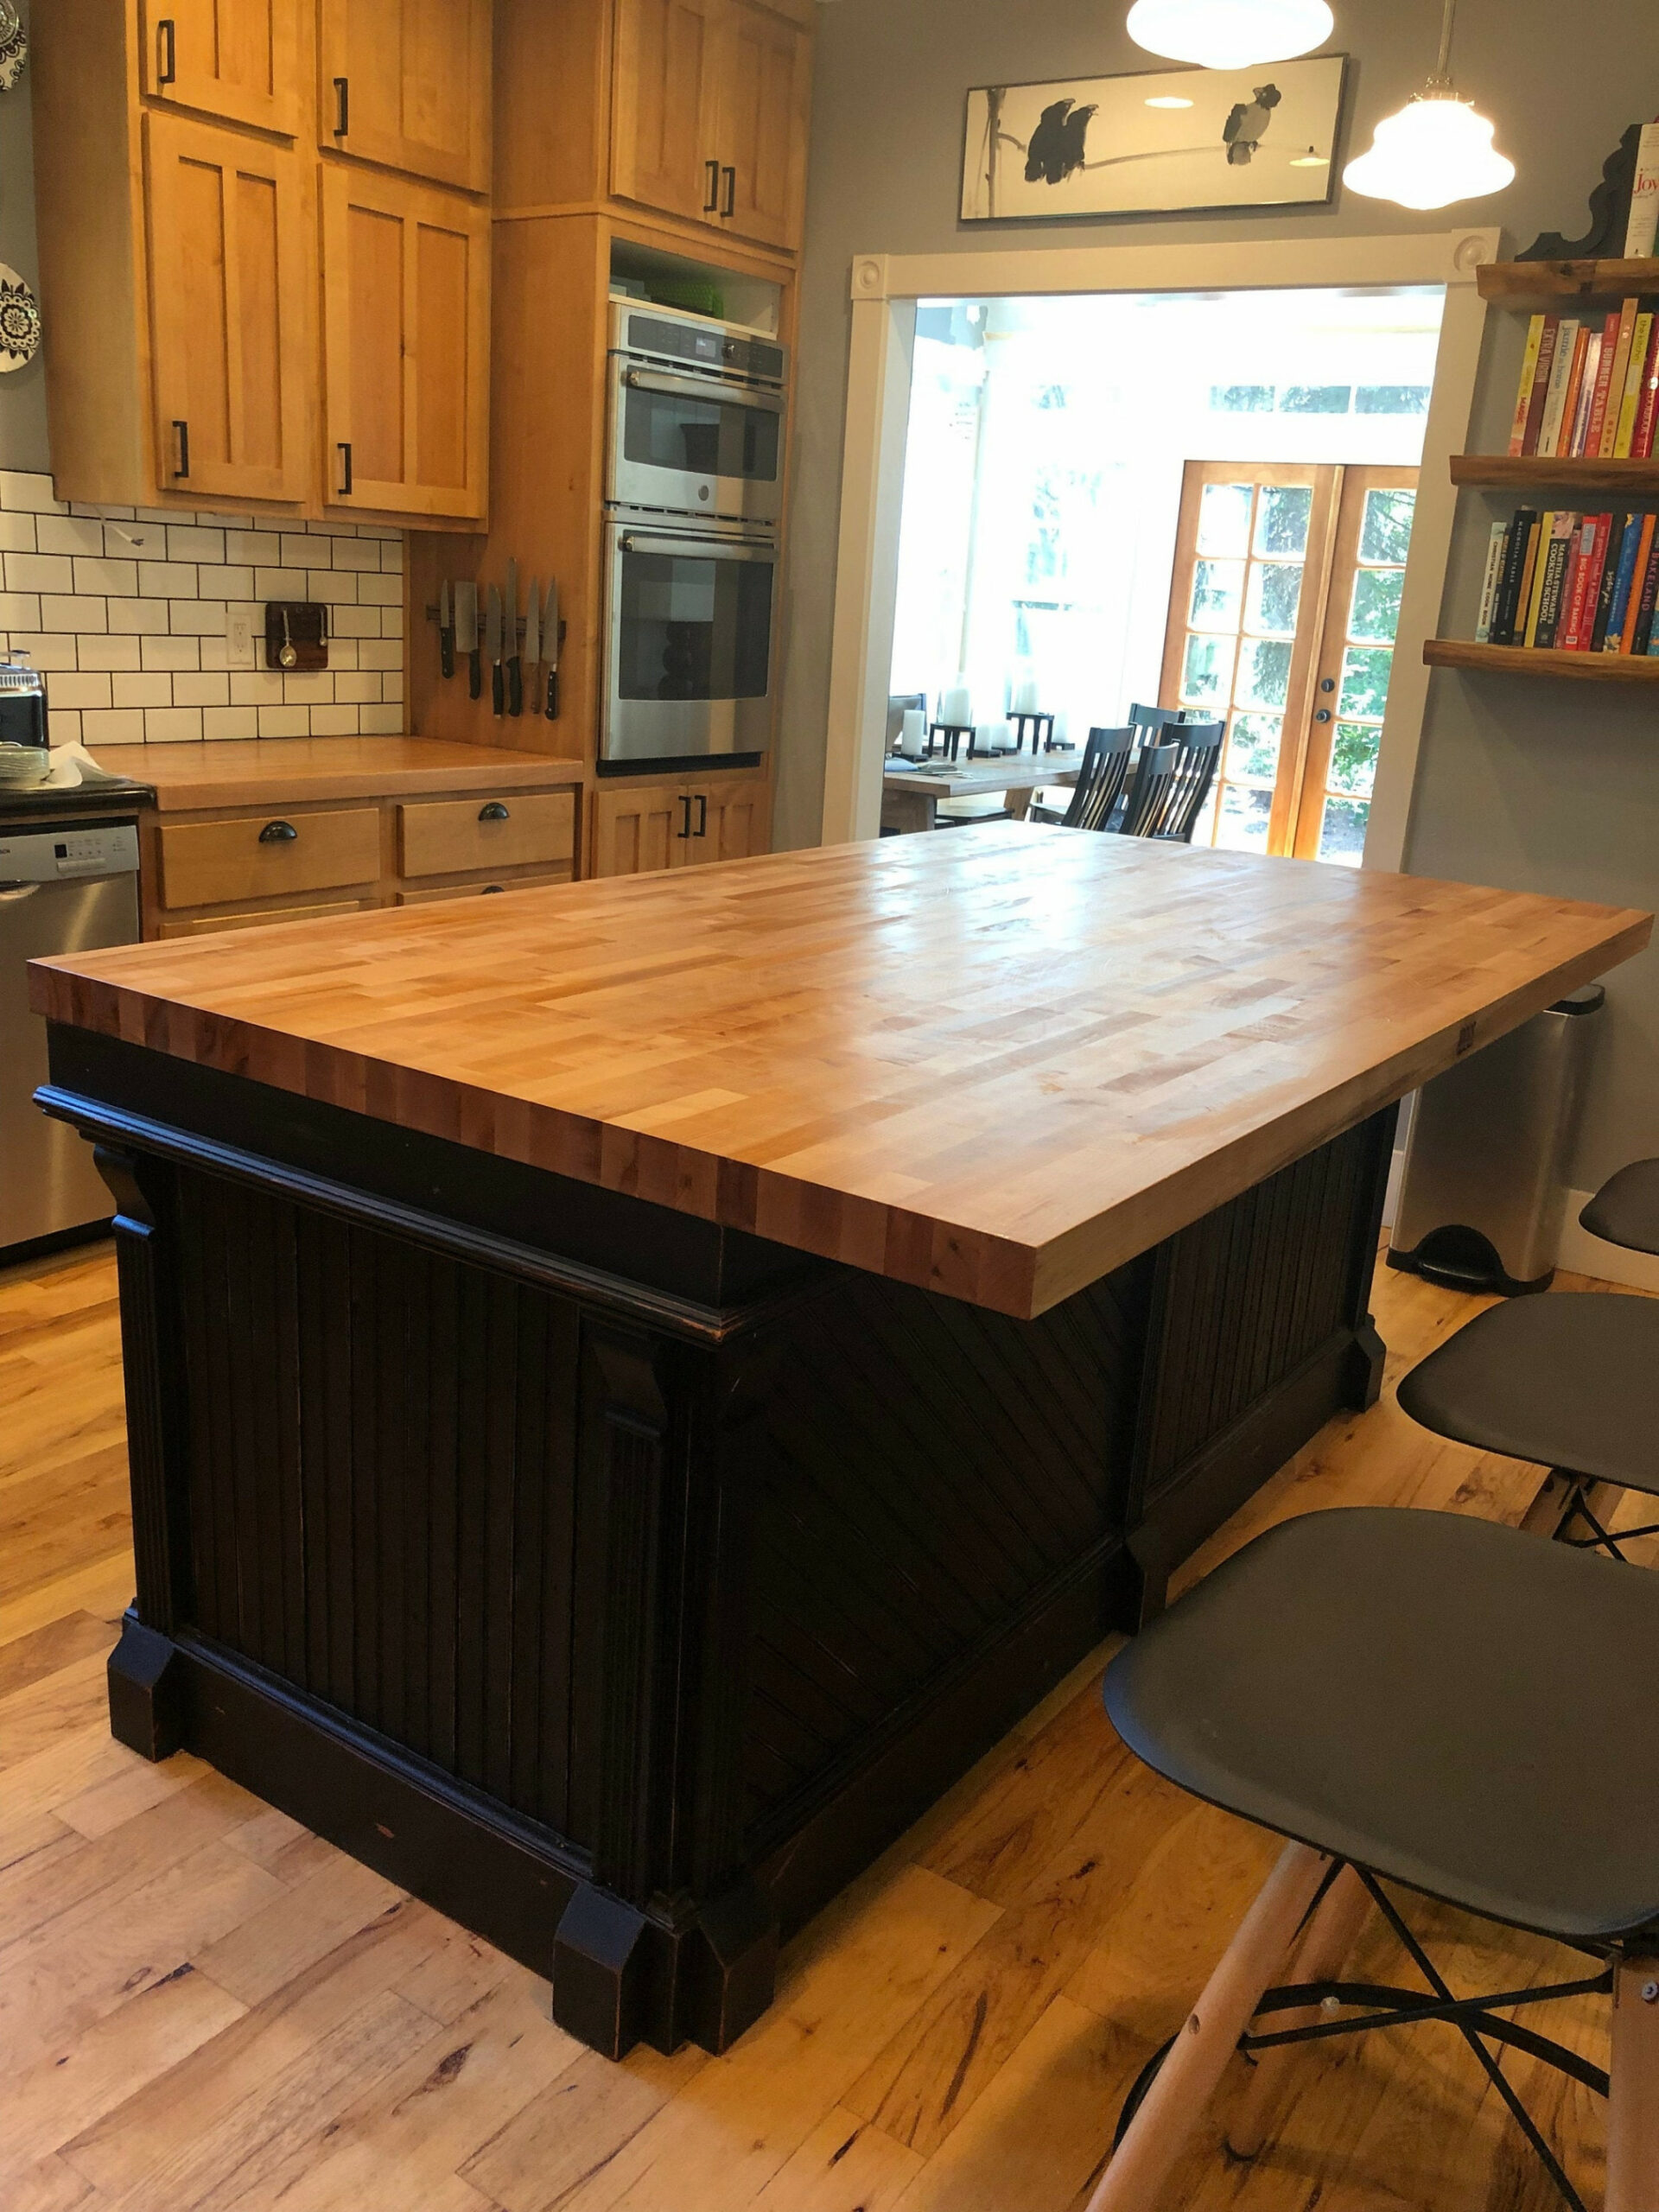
<point x="1158" y="142"/>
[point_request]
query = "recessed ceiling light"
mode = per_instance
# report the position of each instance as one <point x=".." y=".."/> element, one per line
<point x="1169" y="99"/>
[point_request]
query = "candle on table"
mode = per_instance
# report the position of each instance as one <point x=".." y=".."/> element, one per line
<point x="957" y="706"/>
<point x="912" y="738"/>
<point x="1024" y="701"/>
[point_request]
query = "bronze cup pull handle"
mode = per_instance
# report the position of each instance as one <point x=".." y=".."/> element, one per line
<point x="493" y="810"/>
<point x="278" y="833"/>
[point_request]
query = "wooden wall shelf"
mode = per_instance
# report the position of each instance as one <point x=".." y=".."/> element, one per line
<point x="1534" y="472"/>
<point x="1532" y="286"/>
<point x="1535" y="660"/>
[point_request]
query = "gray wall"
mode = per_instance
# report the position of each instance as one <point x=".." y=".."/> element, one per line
<point x="22" y="394"/>
<point x="1526" y="783"/>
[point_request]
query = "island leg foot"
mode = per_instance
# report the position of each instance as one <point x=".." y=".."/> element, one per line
<point x="735" y="1968"/>
<point x="599" y="1958"/>
<point x="145" y="1691"/>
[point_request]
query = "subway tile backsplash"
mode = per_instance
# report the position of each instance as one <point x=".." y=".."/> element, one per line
<point x="125" y="611"/>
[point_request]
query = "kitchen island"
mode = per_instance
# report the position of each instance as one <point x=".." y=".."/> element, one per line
<point x="632" y="1386"/>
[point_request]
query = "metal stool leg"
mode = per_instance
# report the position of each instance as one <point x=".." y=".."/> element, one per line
<point x="1633" y="2102"/>
<point x="1332" y="1934"/>
<point x="1175" y="2102"/>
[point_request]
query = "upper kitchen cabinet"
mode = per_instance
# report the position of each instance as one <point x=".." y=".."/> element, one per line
<point x="709" y="112"/>
<point x="406" y="84"/>
<point x="231" y="266"/>
<point x="406" y="336"/>
<point x="240" y="59"/>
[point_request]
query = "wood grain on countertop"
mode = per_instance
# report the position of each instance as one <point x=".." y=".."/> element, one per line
<point x="996" y="1062"/>
<point x="262" y="771"/>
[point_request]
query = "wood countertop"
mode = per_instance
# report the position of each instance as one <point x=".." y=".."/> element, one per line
<point x="996" y="1062"/>
<point x="261" y="772"/>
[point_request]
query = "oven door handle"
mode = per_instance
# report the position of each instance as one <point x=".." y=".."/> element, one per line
<point x="738" y="395"/>
<point x="698" y="549"/>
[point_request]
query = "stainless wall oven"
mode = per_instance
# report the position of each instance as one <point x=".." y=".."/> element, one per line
<point x="688" y="645"/>
<point x="696" y="416"/>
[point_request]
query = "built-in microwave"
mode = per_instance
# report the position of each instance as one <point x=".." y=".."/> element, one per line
<point x="690" y="644"/>
<point x="696" y="416"/>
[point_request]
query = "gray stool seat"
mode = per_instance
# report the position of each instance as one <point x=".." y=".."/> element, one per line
<point x="1570" y="1380"/>
<point x="1452" y="1703"/>
<point x="1625" y="1210"/>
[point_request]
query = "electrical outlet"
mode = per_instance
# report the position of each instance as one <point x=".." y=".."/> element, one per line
<point x="238" y="637"/>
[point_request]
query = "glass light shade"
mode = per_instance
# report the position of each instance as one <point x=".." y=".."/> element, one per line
<point x="1437" y="149"/>
<point x="1229" y="33"/>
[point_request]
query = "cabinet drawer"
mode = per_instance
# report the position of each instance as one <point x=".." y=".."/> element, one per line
<point x="478" y="890"/>
<point x="450" y="836"/>
<point x="254" y="856"/>
<point x="199" y="925"/>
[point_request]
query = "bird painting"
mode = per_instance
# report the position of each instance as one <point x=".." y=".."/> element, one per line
<point x="1243" y="132"/>
<point x="1058" y="145"/>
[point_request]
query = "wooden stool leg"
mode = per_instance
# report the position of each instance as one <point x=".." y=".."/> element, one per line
<point x="1175" y="2103"/>
<point x="1332" y="1935"/>
<point x="1633" y="2103"/>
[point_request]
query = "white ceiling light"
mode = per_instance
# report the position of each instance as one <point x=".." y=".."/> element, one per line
<point x="1168" y="99"/>
<point x="1436" y="150"/>
<point x="1229" y="33"/>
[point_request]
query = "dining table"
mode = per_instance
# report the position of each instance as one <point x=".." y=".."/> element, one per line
<point x="911" y="790"/>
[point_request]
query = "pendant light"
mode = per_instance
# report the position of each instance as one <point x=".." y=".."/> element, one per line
<point x="1229" y="33"/>
<point x="1437" y="149"/>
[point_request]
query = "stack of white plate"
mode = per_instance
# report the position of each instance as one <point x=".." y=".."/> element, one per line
<point x="22" y="767"/>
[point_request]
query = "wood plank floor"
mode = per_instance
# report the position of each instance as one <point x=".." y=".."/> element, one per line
<point x="202" y="2006"/>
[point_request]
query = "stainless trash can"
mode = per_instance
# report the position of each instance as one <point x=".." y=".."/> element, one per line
<point x="1485" y="1186"/>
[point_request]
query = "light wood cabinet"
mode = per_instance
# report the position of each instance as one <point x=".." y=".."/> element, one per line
<point x="709" y="112"/>
<point x="232" y="267"/>
<point x="406" y="337"/>
<point x="239" y="60"/>
<point x="641" y="829"/>
<point x="406" y="83"/>
<point x="502" y="830"/>
<point x="262" y="857"/>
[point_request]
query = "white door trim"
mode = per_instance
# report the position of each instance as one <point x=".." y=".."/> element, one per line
<point x="885" y="290"/>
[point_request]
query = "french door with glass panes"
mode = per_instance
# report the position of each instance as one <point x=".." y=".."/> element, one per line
<point x="1283" y="608"/>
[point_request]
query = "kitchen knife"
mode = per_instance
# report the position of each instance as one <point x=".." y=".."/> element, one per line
<point x="467" y="635"/>
<point x="493" y="648"/>
<point x="532" y="629"/>
<point x="515" y="665"/>
<point x="550" y="628"/>
<point x="446" y="630"/>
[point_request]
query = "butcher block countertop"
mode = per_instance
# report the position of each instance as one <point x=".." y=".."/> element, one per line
<point x="287" y="771"/>
<point x="995" y="1062"/>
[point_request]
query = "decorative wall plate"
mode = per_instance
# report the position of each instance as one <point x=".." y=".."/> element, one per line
<point x="19" y="321"/>
<point x="14" y="46"/>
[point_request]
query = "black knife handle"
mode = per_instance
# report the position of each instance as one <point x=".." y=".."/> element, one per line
<point x="552" y="694"/>
<point x="474" y="675"/>
<point x="497" y="688"/>
<point x="515" y="686"/>
<point x="447" y="651"/>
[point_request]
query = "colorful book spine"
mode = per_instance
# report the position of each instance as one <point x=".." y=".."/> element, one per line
<point x="1632" y="609"/>
<point x="1640" y="339"/>
<point x="1616" y="382"/>
<point x="1507" y="598"/>
<point x="1642" y="638"/>
<point x="1557" y="553"/>
<point x="1524" y="397"/>
<point x="1643" y="226"/>
<point x="1586" y="574"/>
<point x="1586" y="393"/>
<point x="1603" y="384"/>
<point x="1534" y="599"/>
<point x="1489" y="582"/>
<point x="1610" y="572"/>
<point x="1570" y="397"/>
<point x="1560" y="375"/>
<point x="1543" y="369"/>
<point x="1648" y="409"/>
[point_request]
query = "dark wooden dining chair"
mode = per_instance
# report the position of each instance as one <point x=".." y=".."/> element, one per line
<point x="1102" y="776"/>
<point x="1172" y="782"/>
<point x="1421" y="1701"/>
<point x="1149" y="723"/>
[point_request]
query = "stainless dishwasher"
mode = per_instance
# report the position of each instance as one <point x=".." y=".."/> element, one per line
<point x="66" y="887"/>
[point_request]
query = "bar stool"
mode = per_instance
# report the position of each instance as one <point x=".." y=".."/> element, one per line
<point x="1569" y="1381"/>
<point x="1424" y="1699"/>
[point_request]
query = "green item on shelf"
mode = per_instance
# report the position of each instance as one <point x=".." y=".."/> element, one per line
<point x="691" y="293"/>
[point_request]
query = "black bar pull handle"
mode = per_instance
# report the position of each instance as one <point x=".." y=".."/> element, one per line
<point x="342" y="106"/>
<point x="685" y="829"/>
<point x="167" y="54"/>
<point x="278" y="833"/>
<point x="711" y="205"/>
<point x="730" y="207"/>
<point x="344" y="449"/>
<point x="493" y="810"/>
<point x="183" y="430"/>
<point x="701" y="829"/>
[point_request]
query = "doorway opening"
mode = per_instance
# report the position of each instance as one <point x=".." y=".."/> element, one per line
<point x="1197" y="500"/>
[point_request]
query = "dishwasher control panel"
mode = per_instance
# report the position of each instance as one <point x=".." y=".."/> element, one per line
<point x="66" y="854"/>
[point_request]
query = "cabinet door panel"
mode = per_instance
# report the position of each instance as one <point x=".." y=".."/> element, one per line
<point x="410" y="80"/>
<point x="663" y="140"/>
<point x="764" y="96"/>
<point x="230" y="277"/>
<point x="638" y="831"/>
<point x="406" y="333"/>
<point x="238" y="59"/>
<point x="729" y="821"/>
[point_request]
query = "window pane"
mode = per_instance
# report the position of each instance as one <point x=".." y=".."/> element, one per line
<point x="1315" y="399"/>
<point x="1386" y="531"/>
<point x="1224" y="519"/>
<point x="1342" y="833"/>
<point x="1207" y="671"/>
<point x="1270" y="604"/>
<point x="1281" y="519"/>
<point x="1244" y="814"/>
<point x="1253" y="748"/>
<point x="1264" y="674"/>
<point x="1365" y="672"/>
<point x="1376" y="611"/>
<point x="1241" y="399"/>
<point x="1217" y="589"/>
<point x="1391" y="399"/>
<point x="1353" y="757"/>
